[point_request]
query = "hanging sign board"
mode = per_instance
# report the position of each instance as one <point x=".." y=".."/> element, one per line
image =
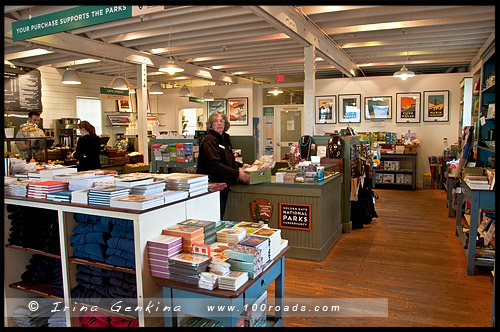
<point x="113" y="94"/>
<point x="295" y="216"/>
<point x="261" y="210"/>
<point x="196" y="100"/>
<point x="68" y="19"/>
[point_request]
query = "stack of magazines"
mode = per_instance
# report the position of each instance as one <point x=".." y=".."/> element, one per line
<point x="208" y="228"/>
<point x="195" y="184"/>
<point x="245" y="259"/>
<point x="103" y="195"/>
<point x="186" y="267"/>
<point x="233" y="281"/>
<point x="160" y="249"/>
<point x="231" y="235"/>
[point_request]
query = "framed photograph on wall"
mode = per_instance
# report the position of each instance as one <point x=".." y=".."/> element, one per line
<point x="238" y="111"/>
<point x="436" y="106"/>
<point x="408" y="107"/>
<point x="349" y="108"/>
<point x="325" y="109"/>
<point x="378" y="108"/>
<point x="119" y="120"/>
<point x="217" y="105"/>
<point x="124" y="105"/>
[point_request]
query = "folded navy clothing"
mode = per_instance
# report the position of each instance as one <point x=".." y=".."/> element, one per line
<point x="119" y="292"/>
<point x="94" y="270"/>
<point x="119" y="222"/>
<point x="121" y="243"/>
<point x="90" y="278"/>
<point x="128" y="235"/>
<point x="83" y="254"/>
<point x="87" y="228"/>
<point x="119" y="261"/>
<point x="122" y="253"/>
<point x="87" y="218"/>
<point x="130" y="278"/>
<point x="123" y="284"/>
<point x="94" y="250"/>
<point x="92" y="237"/>
<point x="119" y="228"/>
<point x="40" y="269"/>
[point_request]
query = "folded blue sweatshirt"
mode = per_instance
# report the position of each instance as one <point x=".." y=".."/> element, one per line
<point x="121" y="243"/>
<point x="93" y="237"/>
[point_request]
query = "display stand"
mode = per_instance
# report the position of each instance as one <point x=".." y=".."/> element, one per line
<point x="479" y="200"/>
<point x="408" y="165"/>
<point x="157" y="165"/>
<point x="192" y="299"/>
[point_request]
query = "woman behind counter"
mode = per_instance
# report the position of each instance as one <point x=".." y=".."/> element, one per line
<point x="216" y="157"/>
<point x="88" y="148"/>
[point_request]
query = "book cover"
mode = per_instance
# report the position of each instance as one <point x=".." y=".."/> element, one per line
<point x="164" y="241"/>
<point x="179" y="147"/>
<point x="172" y="151"/>
<point x="185" y="231"/>
<point x="190" y="259"/>
<point x="188" y="152"/>
<point x="207" y="225"/>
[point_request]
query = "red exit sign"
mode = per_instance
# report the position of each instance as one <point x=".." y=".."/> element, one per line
<point x="280" y="78"/>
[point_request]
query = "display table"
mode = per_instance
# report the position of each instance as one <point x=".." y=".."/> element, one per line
<point x="450" y="181"/>
<point x="192" y="300"/>
<point x="324" y="201"/>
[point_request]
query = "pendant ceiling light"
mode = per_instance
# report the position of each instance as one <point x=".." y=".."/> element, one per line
<point x="404" y="73"/>
<point x="184" y="91"/>
<point x="208" y="96"/>
<point x="276" y="91"/>
<point x="71" y="77"/>
<point x="119" y="83"/>
<point x="156" y="89"/>
<point x="171" y="67"/>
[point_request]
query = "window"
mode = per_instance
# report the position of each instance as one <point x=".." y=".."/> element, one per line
<point x="89" y="109"/>
<point x="189" y="118"/>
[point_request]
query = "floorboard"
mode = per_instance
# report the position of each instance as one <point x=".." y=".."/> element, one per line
<point x="409" y="255"/>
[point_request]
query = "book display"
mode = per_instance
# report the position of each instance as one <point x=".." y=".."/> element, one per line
<point x="41" y="189"/>
<point x="159" y="250"/>
<point x="209" y="234"/>
<point x="231" y="235"/>
<point x="187" y="267"/>
<point x="103" y="195"/>
<point x="194" y="184"/>
<point x="233" y="281"/>
<point x="274" y="236"/>
<point x="173" y="154"/>
<point x="190" y="234"/>
<point x="245" y="259"/>
<point x="137" y="202"/>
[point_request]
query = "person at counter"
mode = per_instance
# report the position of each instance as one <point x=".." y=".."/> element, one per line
<point x="88" y="148"/>
<point x="216" y="158"/>
<point x="30" y="130"/>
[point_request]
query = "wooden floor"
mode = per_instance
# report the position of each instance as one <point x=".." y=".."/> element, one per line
<point x="409" y="255"/>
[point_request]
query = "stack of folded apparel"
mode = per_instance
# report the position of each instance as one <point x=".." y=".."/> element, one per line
<point x="44" y="270"/>
<point x="186" y="267"/>
<point x="245" y="259"/>
<point x="209" y="235"/>
<point x="34" y="228"/>
<point x="160" y="248"/>
<point x="58" y="319"/>
<point x="96" y="319"/>
<point x="91" y="234"/>
<point x="231" y="235"/>
<point x="96" y="284"/>
<point x="120" y="251"/>
<point x="24" y="317"/>
<point x="189" y="234"/>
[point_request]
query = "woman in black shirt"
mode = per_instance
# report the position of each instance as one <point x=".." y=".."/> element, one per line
<point x="88" y="148"/>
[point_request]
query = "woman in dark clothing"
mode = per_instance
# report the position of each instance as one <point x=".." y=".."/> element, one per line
<point x="216" y="157"/>
<point x="88" y="148"/>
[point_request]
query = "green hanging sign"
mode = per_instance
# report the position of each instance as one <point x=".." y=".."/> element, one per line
<point x="110" y="93"/>
<point x="196" y="100"/>
<point x="68" y="19"/>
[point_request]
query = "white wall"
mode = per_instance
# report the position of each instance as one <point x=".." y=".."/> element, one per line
<point x="430" y="134"/>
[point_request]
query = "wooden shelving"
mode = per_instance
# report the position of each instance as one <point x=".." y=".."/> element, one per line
<point x="39" y="289"/>
<point x="33" y="251"/>
<point x="93" y="262"/>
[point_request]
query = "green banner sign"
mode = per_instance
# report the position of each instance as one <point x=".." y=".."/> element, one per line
<point x="196" y="100"/>
<point x="110" y="93"/>
<point x="68" y="19"/>
<point x="268" y="111"/>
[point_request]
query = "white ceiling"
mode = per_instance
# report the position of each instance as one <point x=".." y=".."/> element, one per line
<point x="236" y="43"/>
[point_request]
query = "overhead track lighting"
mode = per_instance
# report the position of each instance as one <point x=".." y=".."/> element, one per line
<point x="119" y="83"/>
<point x="184" y="91"/>
<point x="71" y="76"/>
<point x="156" y="89"/>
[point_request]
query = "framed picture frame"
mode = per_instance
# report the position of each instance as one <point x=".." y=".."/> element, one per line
<point x="408" y="107"/>
<point x="124" y="105"/>
<point x="238" y="111"/>
<point x="119" y="120"/>
<point x="436" y="106"/>
<point x="349" y="108"/>
<point x="326" y="109"/>
<point x="153" y="119"/>
<point x="217" y="105"/>
<point x="378" y="108"/>
<point x="133" y="102"/>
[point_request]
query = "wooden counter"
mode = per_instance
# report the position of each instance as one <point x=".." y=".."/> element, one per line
<point x="324" y="198"/>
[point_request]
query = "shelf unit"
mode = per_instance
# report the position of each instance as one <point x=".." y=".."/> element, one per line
<point x="156" y="165"/>
<point x="479" y="200"/>
<point x="407" y="165"/>
<point x="146" y="224"/>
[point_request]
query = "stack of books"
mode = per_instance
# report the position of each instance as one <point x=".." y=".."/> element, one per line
<point x="254" y="314"/>
<point x="251" y="227"/>
<point x="132" y="181"/>
<point x="194" y="184"/>
<point x="220" y="225"/>
<point x="103" y="195"/>
<point x="159" y="250"/>
<point x="231" y="235"/>
<point x="148" y="189"/>
<point x="41" y="189"/>
<point x="50" y="173"/>
<point x="477" y="182"/>
<point x="216" y="186"/>
<point x="60" y="196"/>
<point x="260" y="243"/>
<point x="189" y="234"/>
<point x="245" y="259"/>
<point x="19" y="188"/>
<point x="274" y="236"/>
<point x="137" y="202"/>
<point x="171" y="196"/>
<point x="80" y="196"/>
<point x="209" y="235"/>
<point x="233" y="281"/>
<point x="186" y="267"/>
<point x="208" y="280"/>
<point x="219" y="264"/>
<point x="84" y="179"/>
